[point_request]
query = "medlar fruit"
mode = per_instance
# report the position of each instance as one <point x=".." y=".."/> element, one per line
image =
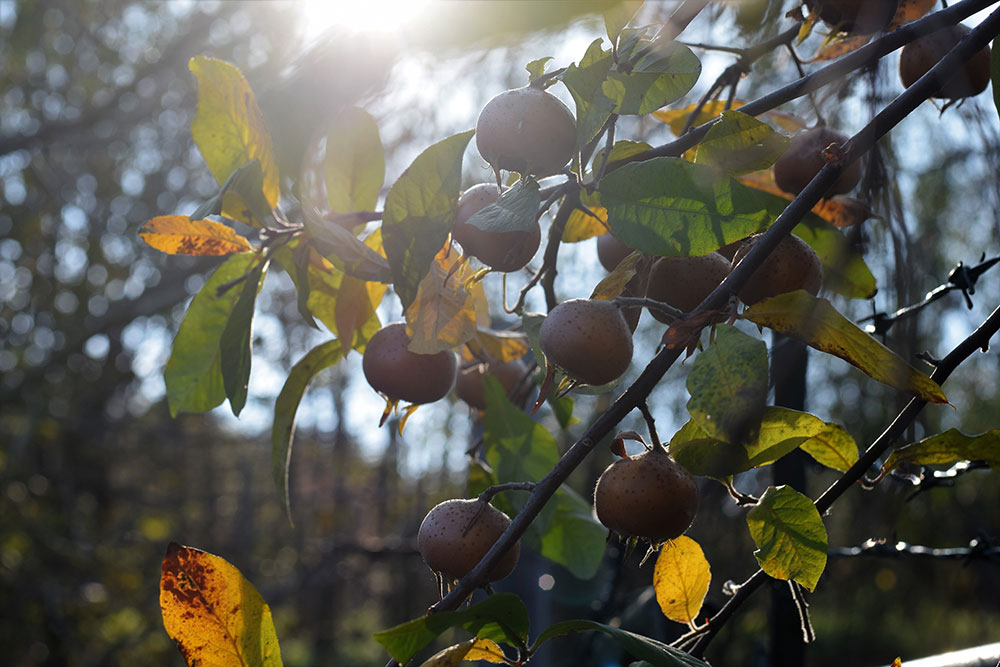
<point x="456" y="534"/>
<point x="858" y="17"/>
<point x="804" y="158"/>
<point x="793" y="265"/>
<point x="469" y="385"/>
<point x="400" y="375"/>
<point x="526" y="130"/>
<point x="919" y="56"/>
<point x="587" y="338"/>
<point x="684" y="282"/>
<point x="501" y="251"/>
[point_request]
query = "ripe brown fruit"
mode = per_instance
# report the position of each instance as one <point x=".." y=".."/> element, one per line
<point x="858" y="17"/>
<point x="793" y="265"/>
<point x="611" y="251"/>
<point x="400" y="375"/>
<point x="684" y="282"/>
<point x="501" y="251"/>
<point x="804" y="158"/>
<point x="469" y="385"/>
<point x="588" y="339"/>
<point x="648" y="495"/>
<point x="456" y="534"/>
<point x="526" y="130"/>
<point x="919" y="56"/>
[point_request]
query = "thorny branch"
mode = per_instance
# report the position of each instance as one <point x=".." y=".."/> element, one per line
<point x="978" y="549"/>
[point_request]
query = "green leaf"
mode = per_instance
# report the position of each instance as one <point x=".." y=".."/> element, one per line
<point x="790" y="536"/>
<point x="563" y="409"/>
<point x="654" y="652"/>
<point x="739" y="144"/>
<point x="947" y="448"/>
<point x="193" y="374"/>
<point x="622" y="150"/>
<point x="536" y="68"/>
<point x="287" y="404"/>
<point x="515" y="211"/>
<point x="817" y="323"/>
<point x="237" y="341"/>
<point x="246" y="183"/>
<point x="355" y="162"/>
<point x="619" y="16"/>
<point x="229" y="129"/>
<point x="844" y="268"/>
<point x="419" y="211"/>
<point x="518" y="449"/>
<point x="728" y="386"/>
<point x="660" y="77"/>
<point x="593" y="107"/>
<point x="829" y="444"/>
<point x="705" y="456"/>
<point x="501" y="617"/>
<point x="344" y="250"/>
<point x="671" y="207"/>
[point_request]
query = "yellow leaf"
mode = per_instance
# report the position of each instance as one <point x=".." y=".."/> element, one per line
<point x="451" y="656"/>
<point x="614" y="283"/>
<point x="911" y="10"/>
<point x="229" y="129"/>
<point x="677" y="118"/>
<point x="180" y="235"/>
<point x="582" y="226"/>
<point x="445" y="313"/>
<point x="831" y="50"/>
<point x="486" y="650"/>
<point x="681" y="579"/>
<point x="499" y="346"/>
<point x="838" y="211"/>
<point x="217" y="617"/>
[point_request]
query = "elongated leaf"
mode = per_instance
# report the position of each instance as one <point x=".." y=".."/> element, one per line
<point x="582" y="225"/>
<point x="445" y="313"/>
<point x="518" y="449"/>
<point x="681" y="578"/>
<point x="844" y="269"/>
<point x="790" y="536"/>
<point x="654" y="652"/>
<point x="242" y="191"/>
<point x="728" y="386"/>
<point x="584" y="81"/>
<point x="287" y="404"/>
<point x="344" y="250"/>
<point x="515" y="211"/>
<point x="947" y="448"/>
<point x="619" y="16"/>
<point x="613" y="285"/>
<point x="180" y="235"/>
<point x="419" y="211"/>
<point x="671" y="207"/>
<point x="229" y="129"/>
<point x="236" y="344"/>
<point x="193" y="374"/>
<point x="501" y="617"/>
<point x="660" y="77"/>
<point x="818" y="324"/>
<point x="355" y="162"/>
<point x="739" y="143"/>
<point x="214" y="614"/>
<point x="829" y="444"/>
<point x="499" y="346"/>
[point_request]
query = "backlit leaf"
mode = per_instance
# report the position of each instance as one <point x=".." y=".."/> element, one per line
<point x="486" y="650"/>
<point x="612" y="285"/>
<point x="706" y="456"/>
<point x="839" y="211"/>
<point x="654" y="652"/>
<point x="948" y="448"/>
<point x="344" y="250"/>
<point x="671" y="207"/>
<point x="287" y="404"/>
<point x="536" y="68"/>
<point x="619" y="16"/>
<point x="237" y="340"/>
<point x="499" y="346"/>
<point x="790" y="536"/>
<point x="728" y="386"/>
<point x="355" y="162"/>
<point x="836" y="48"/>
<point x="678" y="118"/>
<point x="501" y="617"/>
<point x="449" y="657"/>
<point x="193" y="374"/>
<point x="179" y="235"/>
<point x="581" y="225"/>
<point x="446" y="312"/>
<point x="515" y="211"/>
<point x="829" y="444"/>
<point x="660" y="77"/>
<point x="817" y="323"/>
<point x="681" y="578"/>
<point x="584" y="81"/>
<point x="229" y="129"/>
<point x="419" y="211"/>
<point x="216" y="617"/>
<point x="739" y="143"/>
<point x="353" y="310"/>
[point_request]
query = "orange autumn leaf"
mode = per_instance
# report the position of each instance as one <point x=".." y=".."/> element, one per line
<point x="911" y="10"/>
<point x="839" y="211"/>
<point x="216" y="617"/>
<point x="180" y="235"/>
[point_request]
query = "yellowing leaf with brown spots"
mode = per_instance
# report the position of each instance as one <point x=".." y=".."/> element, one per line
<point x="681" y="579"/>
<point x="613" y="284"/>
<point x="582" y="225"/>
<point x="445" y="313"/>
<point x="180" y="235"/>
<point x="216" y="617"/>
<point x="486" y="650"/>
<point x="229" y="129"/>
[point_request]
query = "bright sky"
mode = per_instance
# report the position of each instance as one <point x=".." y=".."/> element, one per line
<point x="382" y="15"/>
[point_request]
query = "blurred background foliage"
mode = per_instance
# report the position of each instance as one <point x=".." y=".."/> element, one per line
<point x="95" y="478"/>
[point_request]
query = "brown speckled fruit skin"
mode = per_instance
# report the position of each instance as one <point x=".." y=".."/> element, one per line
<point x="648" y="495"/>
<point x="501" y="251"/>
<point x="792" y="266"/>
<point x="469" y="385"/>
<point x="588" y="339"/>
<point x="684" y="282"/>
<point x="917" y="57"/>
<point x="526" y="130"/>
<point x="804" y="158"/>
<point x="399" y="374"/>
<point x="447" y="548"/>
<point x="858" y="17"/>
<point x="611" y="251"/>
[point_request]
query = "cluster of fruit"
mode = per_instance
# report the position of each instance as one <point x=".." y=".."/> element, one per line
<point x="531" y="132"/>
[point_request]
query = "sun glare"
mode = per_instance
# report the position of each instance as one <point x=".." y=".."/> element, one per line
<point x="358" y="15"/>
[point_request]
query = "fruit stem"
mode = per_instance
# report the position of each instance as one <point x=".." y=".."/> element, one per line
<point x="651" y="425"/>
<point x="652" y="304"/>
<point x="488" y="495"/>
